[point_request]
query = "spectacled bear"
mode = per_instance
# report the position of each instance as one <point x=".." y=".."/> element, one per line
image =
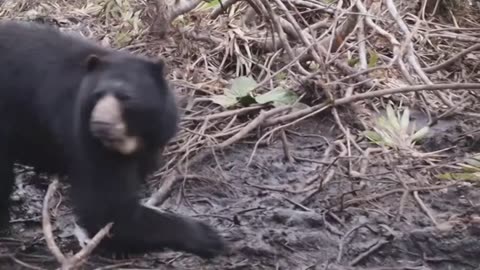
<point x="99" y="116"/>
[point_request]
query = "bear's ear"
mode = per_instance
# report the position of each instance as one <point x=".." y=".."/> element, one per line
<point x="92" y="62"/>
<point x="158" y="67"/>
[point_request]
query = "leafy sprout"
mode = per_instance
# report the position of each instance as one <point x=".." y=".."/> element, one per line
<point x="395" y="131"/>
<point x="241" y="92"/>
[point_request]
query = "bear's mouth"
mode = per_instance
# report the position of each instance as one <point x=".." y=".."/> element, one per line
<point x="107" y="131"/>
<point x="114" y="137"/>
<point x="108" y="125"/>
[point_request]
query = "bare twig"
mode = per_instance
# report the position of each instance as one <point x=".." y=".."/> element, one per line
<point x="343" y="241"/>
<point x="47" y="226"/>
<point x="454" y="58"/>
<point x="76" y="260"/>
<point x="286" y="151"/>
<point x="393" y="191"/>
<point x="161" y="195"/>
<point x="224" y="5"/>
<point x="224" y="114"/>
<point x="281" y="34"/>
<point x="425" y="208"/>
<point x="252" y="125"/>
<point x="80" y="256"/>
<point x="371" y="250"/>
<point x="412" y="88"/>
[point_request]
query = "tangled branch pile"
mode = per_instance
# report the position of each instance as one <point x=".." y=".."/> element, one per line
<point x="329" y="54"/>
<point x="325" y="52"/>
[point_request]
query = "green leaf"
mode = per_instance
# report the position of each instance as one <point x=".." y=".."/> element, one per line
<point x="242" y="86"/>
<point x="353" y="61"/>
<point x="386" y="137"/>
<point x="225" y="101"/>
<point x="281" y="76"/>
<point x="246" y="100"/>
<point x="420" y="134"/>
<point x="460" y="176"/>
<point x="392" y="118"/>
<point x="279" y="96"/>
<point x="313" y="65"/>
<point x="300" y="106"/>
<point x="469" y="168"/>
<point x="405" y="120"/>
<point x="473" y="161"/>
<point x="210" y="4"/>
<point x="373" y="136"/>
<point x="471" y="164"/>
<point x="372" y="62"/>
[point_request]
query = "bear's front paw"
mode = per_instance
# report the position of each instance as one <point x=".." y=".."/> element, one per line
<point x="4" y="222"/>
<point x="202" y="240"/>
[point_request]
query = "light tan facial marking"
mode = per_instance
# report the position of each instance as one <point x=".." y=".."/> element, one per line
<point x="107" y="124"/>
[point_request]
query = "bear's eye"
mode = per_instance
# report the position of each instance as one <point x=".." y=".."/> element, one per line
<point x="97" y="95"/>
<point x="122" y="96"/>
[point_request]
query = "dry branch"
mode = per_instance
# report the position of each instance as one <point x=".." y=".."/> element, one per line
<point x="168" y="12"/>
<point x="341" y="34"/>
<point x="224" y="5"/>
<point x="412" y="88"/>
<point x="76" y="260"/>
<point x="252" y="125"/>
<point x="47" y="226"/>
<point x="162" y="194"/>
<point x="452" y="59"/>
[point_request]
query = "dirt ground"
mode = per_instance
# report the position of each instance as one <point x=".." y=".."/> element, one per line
<point x="311" y="200"/>
<point x="271" y="223"/>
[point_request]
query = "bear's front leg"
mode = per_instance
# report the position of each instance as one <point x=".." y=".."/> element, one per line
<point x="7" y="180"/>
<point x="137" y="228"/>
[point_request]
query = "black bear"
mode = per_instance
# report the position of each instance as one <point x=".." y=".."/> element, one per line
<point x="99" y="116"/>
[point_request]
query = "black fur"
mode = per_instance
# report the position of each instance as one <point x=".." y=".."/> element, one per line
<point x="49" y="83"/>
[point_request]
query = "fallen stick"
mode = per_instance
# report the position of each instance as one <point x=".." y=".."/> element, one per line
<point x="405" y="89"/>
<point x="162" y="194"/>
<point x="76" y="260"/>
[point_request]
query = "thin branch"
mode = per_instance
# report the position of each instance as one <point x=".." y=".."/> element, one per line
<point x="47" y="226"/>
<point x="76" y="260"/>
<point x="252" y="125"/>
<point x="453" y="59"/>
<point x="405" y="89"/>
<point x="161" y="195"/>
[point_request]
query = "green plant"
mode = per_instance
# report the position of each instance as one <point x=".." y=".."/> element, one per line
<point x="209" y="4"/>
<point x="373" y="60"/>
<point x="241" y="92"/>
<point x="470" y="170"/>
<point x="394" y="130"/>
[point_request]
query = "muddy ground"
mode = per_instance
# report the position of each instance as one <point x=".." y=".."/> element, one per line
<point x="272" y="220"/>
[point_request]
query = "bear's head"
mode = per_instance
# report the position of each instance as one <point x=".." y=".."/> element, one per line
<point x="127" y="103"/>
